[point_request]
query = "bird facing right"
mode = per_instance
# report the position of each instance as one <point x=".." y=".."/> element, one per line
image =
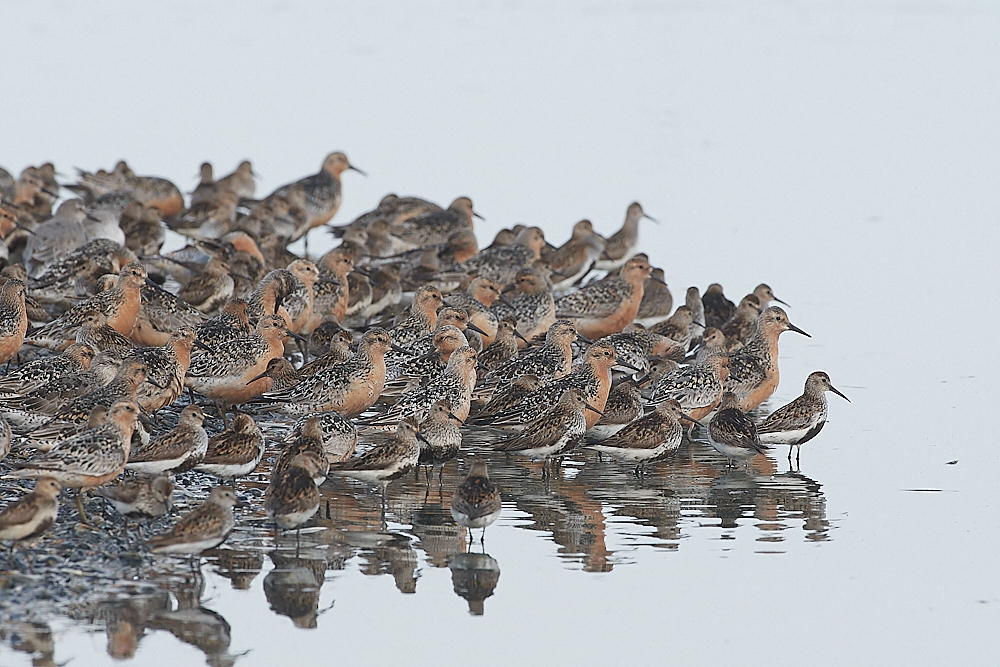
<point x="801" y="420"/>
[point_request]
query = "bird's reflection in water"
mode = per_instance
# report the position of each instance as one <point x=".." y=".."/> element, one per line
<point x="586" y="499"/>
<point x="125" y="621"/>
<point x="597" y="512"/>
<point x="191" y="623"/>
<point x="437" y="533"/>
<point x="474" y="577"/>
<point x="240" y="566"/>
<point x="391" y="553"/>
<point x="292" y="588"/>
<point x="175" y="608"/>
<point x="33" y="638"/>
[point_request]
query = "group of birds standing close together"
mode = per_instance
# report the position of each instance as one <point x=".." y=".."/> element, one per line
<point x="407" y="332"/>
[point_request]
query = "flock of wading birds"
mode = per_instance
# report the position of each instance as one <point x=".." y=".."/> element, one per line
<point x="487" y="338"/>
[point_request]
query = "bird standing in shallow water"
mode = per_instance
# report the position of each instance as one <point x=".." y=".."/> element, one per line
<point x="650" y="438"/>
<point x="476" y="501"/>
<point x="291" y="498"/>
<point x="443" y="436"/>
<point x="624" y="405"/>
<point x="387" y="461"/>
<point x="801" y="420"/>
<point x="732" y="433"/>
<point x="555" y="432"/>
<point x="205" y="527"/>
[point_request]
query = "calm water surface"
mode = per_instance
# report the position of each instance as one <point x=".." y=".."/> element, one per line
<point x="845" y="153"/>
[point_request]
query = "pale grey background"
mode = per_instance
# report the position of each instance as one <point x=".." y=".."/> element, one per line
<point x="844" y="152"/>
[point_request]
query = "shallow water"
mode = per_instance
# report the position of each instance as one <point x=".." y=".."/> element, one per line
<point x="843" y="153"/>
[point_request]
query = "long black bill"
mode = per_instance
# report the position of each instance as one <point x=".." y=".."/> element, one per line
<point x="691" y="419"/>
<point x="262" y="375"/>
<point x="473" y="327"/>
<point x="792" y="327"/>
<point x="837" y="392"/>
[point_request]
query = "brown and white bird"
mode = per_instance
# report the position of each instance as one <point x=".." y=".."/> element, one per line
<point x="801" y="420"/>
<point x="650" y="438"/>
<point x="140" y="498"/>
<point x="386" y="461"/>
<point x="476" y="501"/>
<point x="32" y="514"/>
<point x="178" y="450"/>
<point x="292" y="498"/>
<point x="732" y="433"/>
<point x="205" y="527"/>
<point x="235" y="452"/>
<point x="556" y="431"/>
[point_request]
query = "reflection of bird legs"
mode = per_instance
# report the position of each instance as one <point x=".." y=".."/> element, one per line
<point x="383" y="485"/>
